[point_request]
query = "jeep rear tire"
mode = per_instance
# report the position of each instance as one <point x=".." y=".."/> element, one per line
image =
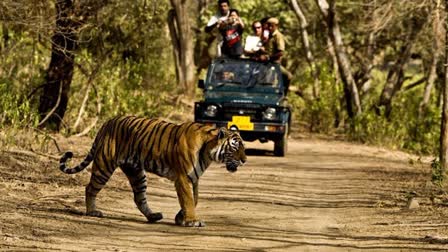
<point x="281" y="145"/>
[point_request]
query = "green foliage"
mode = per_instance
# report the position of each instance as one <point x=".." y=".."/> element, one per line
<point x="133" y="95"/>
<point x="376" y="129"/>
<point x="403" y="129"/>
<point x="125" y="55"/>
<point x="18" y="120"/>
<point x="16" y="111"/>
<point x="438" y="175"/>
<point x="320" y="115"/>
<point x="123" y="87"/>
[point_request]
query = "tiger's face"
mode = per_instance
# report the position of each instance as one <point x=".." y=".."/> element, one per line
<point x="231" y="149"/>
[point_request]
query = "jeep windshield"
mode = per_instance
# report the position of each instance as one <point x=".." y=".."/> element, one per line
<point x="243" y="74"/>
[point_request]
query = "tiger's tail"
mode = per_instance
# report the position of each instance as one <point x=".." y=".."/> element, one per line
<point x="68" y="155"/>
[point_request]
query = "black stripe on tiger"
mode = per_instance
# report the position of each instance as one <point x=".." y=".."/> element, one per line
<point x="68" y="155"/>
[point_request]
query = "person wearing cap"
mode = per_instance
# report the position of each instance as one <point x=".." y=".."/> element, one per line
<point x="274" y="48"/>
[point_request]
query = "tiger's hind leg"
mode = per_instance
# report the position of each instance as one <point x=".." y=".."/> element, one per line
<point x="98" y="179"/>
<point x="137" y="179"/>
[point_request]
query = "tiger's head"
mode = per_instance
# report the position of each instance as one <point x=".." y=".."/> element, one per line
<point x="230" y="149"/>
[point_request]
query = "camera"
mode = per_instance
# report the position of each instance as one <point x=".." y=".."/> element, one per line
<point x="232" y="20"/>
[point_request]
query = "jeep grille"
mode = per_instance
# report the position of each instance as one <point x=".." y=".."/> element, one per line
<point x="248" y="109"/>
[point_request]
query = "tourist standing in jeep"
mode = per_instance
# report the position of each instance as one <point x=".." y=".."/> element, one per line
<point x="232" y="34"/>
<point x="221" y="16"/>
<point x="274" y="49"/>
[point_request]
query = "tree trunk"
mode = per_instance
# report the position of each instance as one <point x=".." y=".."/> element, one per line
<point x="5" y="37"/>
<point x="363" y="78"/>
<point x="363" y="75"/>
<point x="54" y="99"/>
<point x="337" y="108"/>
<point x="334" y="59"/>
<point x="69" y="18"/>
<point x="306" y="44"/>
<point x="350" y="89"/>
<point x="183" y="45"/>
<point x="432" y="75"/>
<point x="172" y="24"/>
<point x="395" y="76"/>
<point x="444" y="129"/>
<point x="203" y="40"/>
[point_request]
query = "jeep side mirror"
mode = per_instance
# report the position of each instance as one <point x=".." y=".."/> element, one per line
<point x="201" y="84"/>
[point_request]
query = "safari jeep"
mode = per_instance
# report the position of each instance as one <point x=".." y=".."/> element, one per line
<point x="248" y="96"/>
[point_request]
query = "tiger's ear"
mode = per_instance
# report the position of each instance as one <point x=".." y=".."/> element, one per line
<point x="222" y="132"/>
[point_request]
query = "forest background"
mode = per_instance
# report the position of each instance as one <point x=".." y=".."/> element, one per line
<point x="370" y="70"/>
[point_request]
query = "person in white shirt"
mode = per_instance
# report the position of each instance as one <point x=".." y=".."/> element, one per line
<point x="253" y="42"/>
<point x="220" y="17"/>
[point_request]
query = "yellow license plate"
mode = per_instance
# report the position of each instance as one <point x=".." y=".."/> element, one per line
<point x="242" y="122"/>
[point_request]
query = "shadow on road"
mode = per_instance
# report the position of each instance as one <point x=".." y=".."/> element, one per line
<point x="259" y="152"/>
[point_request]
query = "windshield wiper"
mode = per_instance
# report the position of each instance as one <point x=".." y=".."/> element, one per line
<point x="265" y="83"/>
<point x="220" y="84"/>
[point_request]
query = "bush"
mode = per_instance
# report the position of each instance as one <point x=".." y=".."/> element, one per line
<point x="321" y="115"/>
<point x="16" y="110"/>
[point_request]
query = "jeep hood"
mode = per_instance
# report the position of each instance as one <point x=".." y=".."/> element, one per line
<point x="240" y="97"/>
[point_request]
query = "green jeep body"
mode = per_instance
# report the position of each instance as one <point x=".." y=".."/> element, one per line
<point x="248" y="96"/>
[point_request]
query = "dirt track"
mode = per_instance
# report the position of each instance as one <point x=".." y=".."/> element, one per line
<point x="324" y="196"/>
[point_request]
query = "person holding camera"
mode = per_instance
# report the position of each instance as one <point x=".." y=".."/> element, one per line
<point x="232" y="31"/>
<point x="215" y="38"/>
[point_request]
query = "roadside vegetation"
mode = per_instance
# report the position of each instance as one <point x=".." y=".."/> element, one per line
<point x="382" y="86"/>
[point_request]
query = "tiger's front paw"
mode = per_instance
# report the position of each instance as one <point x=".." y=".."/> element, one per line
<point x="95" y="213"/>
<point x="194" y="223"/>
<point x="180" y="220"/>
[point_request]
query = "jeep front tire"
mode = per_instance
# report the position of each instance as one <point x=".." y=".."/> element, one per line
<point x="281" y="145"/>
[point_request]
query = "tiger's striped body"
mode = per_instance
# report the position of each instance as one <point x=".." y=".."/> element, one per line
<point x="180" y="153"/>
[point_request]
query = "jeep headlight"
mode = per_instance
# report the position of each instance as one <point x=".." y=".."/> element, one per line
<point x="270" y="114"/>
<point x="211" y="110"/>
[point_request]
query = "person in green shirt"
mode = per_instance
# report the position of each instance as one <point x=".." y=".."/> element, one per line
<point x="274" y="49"/>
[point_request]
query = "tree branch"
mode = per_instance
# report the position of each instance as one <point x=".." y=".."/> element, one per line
<point x="414" y="84"/>
<point x="54" y="108"/>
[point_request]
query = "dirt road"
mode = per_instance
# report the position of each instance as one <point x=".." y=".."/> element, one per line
<point x="323" y="196"/>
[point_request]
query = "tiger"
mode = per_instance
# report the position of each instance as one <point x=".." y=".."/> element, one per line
<point x="178" y="152"/>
